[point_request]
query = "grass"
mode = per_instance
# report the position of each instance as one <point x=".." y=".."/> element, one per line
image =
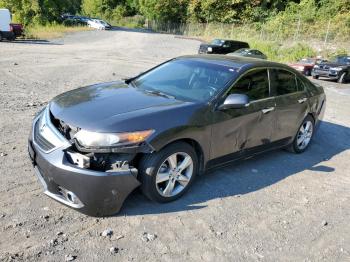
<point x="52" y="31"/>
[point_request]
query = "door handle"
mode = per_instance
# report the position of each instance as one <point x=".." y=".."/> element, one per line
<point x="266" y="110"/>
<point x="302" y="100"/>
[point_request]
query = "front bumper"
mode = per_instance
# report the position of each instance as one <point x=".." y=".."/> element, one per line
<point x="331" y="74"/>
<point x="91" y="192"/>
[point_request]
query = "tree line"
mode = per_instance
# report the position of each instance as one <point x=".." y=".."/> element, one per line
<point x="177" y="11"/>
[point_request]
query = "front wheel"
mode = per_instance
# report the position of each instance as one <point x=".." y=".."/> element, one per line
<point x="167" y="175"/>
<point x="342" y="78"/>
<point x="304" y="135"/>
<point x="315" y="76"/>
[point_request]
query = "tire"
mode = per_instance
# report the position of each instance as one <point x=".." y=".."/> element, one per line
<point x="342" y="78"/>
<point x="12" y="38"/>
<point x="315" y="77"/>
<point x="308" y="72"/>
<point x="296" y="146"/>
<point x="0" y="37"/>
<point x="151" y="166"/>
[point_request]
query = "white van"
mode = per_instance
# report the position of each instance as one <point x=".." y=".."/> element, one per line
<point x="5" y="29"/>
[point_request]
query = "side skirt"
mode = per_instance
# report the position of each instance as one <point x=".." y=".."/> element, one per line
<point x="247" y="153"/>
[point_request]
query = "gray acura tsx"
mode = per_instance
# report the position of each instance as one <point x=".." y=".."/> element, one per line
<point x="92" y="146"/>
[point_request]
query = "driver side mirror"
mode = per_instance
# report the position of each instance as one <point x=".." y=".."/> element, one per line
<point x="235" y="101"/>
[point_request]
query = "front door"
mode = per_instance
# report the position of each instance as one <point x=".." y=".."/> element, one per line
<point x="237" y="130"/>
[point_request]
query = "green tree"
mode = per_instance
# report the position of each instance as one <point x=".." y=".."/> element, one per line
<point x="164" y="10"/>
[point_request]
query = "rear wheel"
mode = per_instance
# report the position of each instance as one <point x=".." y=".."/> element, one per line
<point x="315" y="77"/>
<point x="304" y="135"/>
<point x="166" y="175"/>
<point x="342" y="78"/>
<point x="308" y="72"/>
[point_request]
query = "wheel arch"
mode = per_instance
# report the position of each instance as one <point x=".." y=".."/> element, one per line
<point x="193" y="143"/>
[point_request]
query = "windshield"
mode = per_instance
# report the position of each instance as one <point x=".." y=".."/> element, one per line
<point x="242" y="51"/>
<point x="307" y="61"/>
<point x="217" y="42"/>
<point x="345" y="60"/>
<point x="187" y="79"/>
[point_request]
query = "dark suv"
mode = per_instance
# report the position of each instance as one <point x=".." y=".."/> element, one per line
<point x="221" y="46"/>
<point x="338" y="68"/>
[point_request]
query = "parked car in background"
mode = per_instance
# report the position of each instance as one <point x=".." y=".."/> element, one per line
<point x="17" y="29"/>
<point x="247" y="52"/>
<point x="76" y="21"/>
<point x="91" y="147"/>
<point x="306" y="65"/>
<point x="99" y="24"/>
<point x="338" y="68"/>
<point x="221" y="46"/>
<point x="5" y="27"/>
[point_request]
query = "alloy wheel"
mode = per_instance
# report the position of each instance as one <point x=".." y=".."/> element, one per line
<point x="304" y="135"/>
<point x="174" y="174"/>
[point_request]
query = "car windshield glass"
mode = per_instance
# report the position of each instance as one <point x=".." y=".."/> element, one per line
<point x="306" y="61"/>
<point x="187" y="79"/>
<point x="217" y="42"/>
<point x="341" y="60"/>
<point x="242" y="51"/>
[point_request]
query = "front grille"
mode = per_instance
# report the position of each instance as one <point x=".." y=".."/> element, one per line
<point x="40" y="140"/>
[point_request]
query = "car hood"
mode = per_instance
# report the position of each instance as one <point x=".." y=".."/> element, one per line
<point x="115" y="107"/>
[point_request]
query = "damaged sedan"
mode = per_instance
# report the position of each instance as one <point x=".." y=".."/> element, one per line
<point x="91" y="147"/>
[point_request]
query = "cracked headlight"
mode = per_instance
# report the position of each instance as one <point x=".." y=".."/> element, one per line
<point x="90" y="139"/>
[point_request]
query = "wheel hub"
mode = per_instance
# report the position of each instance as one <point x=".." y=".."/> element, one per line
<point x="174" y="174"/>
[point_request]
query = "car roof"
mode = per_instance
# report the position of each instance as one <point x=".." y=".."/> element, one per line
<point x="229" y="40"/>
<point x="235" y="61"/>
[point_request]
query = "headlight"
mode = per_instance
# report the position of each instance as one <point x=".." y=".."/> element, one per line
<point x="94" y="139"/>
<point x="210" y="49"/>
<point x="336" y="68"/>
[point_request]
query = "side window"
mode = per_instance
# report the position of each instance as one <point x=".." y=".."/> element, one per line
<point x="300" y="85"/>
<point x="254" y="84"/>
<point x="283" y="82"/>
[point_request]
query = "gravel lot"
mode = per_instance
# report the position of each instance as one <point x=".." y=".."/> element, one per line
<point x="276" y="207"/>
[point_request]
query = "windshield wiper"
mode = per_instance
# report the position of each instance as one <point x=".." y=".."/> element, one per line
<point x="155" y="92"/>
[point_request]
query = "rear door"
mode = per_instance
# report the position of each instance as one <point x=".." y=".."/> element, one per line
<point x="291" y="103"/>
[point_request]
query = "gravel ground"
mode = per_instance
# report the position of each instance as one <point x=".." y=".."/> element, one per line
<point x="275" y="207"/>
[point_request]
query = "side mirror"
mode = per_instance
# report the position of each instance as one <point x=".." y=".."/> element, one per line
<point x="235" y="101"/>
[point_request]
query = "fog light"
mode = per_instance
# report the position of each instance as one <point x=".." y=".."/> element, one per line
<point x="69" y="196"/>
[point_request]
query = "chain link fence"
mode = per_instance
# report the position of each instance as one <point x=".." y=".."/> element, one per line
<point x="320" y="35"/>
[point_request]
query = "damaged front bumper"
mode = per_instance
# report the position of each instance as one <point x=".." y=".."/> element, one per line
<point x="91" y="192"/>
